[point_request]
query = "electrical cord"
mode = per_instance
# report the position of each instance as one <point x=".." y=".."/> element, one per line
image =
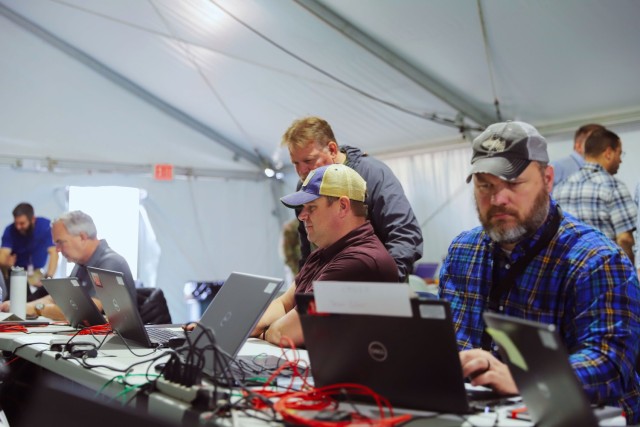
<point x="14" y="328"/>
<point x="291" y="405"/>
<point x="122" y="379"/>
<point x="223" y="372"/>
<point x="27" y="345"/>
<point x="96" y="330"/>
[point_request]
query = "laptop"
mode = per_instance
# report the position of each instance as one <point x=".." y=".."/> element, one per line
<point x="74" y="301"/>
<point x="122" y="311"/>
<point x="540" y="367"/>
<point x="234" y="313"/>
<point x="412" y="361"/>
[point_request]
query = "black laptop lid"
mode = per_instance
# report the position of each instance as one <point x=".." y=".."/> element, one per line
<point x="119" y="306"/>
<point x="412" y="361"/>
<point x="540" y="367"/>
<point x="74" y="301"/>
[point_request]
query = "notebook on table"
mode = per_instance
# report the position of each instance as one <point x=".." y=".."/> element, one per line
<point x="412" y="361"/>
<point x="74" y="301"/>
<point x="540" y="367"/>
<point x="122" y="311"/>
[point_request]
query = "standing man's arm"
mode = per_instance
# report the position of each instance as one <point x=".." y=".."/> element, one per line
<point x="625" y="241"/>
<point x="52" y="266"/>
<point x="6" y="259"/>
<point x="393" y="219"/>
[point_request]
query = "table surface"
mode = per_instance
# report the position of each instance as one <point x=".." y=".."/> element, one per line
<point x="35" y="347"/>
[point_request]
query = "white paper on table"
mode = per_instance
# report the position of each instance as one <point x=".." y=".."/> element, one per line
<point x="381" y="299"/>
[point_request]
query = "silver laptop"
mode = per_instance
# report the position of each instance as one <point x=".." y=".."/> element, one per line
<point x="74" y="301"/>
<point x="540" y="367"/>
<point x="122" y="311"/>
<point x="234" y="313"/>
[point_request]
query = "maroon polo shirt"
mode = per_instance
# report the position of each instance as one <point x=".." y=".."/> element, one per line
<point x="357" y="257"/>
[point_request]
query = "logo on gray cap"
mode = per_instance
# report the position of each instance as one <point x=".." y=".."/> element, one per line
<point x="494" y="145"/>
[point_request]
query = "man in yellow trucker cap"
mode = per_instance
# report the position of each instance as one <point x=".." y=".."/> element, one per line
<point x="335" y="217"/>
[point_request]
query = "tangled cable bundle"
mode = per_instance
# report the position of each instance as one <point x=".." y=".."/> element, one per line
<point x="291" y="404"/>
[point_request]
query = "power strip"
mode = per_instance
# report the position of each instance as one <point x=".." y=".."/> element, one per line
<point x="177" y="391"/>
<point x="204" y="397"/>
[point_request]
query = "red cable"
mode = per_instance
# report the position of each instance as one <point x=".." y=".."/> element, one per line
<point x="11" y="361"/>
<point x="13" y="328"/>
<point x="289" y="406"/>
<point x="290" y="403"/>
<point x="96" y="330"/>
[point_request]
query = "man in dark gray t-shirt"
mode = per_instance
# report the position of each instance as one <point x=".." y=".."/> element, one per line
<point x="75" y="236"/>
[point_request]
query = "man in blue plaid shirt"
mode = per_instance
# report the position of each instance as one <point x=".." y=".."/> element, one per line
<point x="637" y="240"/>
<point x="596" y="197"/>
<point x="575" y="278"/>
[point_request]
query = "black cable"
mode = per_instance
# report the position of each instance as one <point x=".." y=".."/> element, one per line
<point x="26" y="345"/>
<point x="224" y="375"/>
<point x="188" y="366"/>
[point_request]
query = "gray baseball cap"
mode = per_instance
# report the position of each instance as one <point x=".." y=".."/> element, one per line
<point x="506" y="149"/>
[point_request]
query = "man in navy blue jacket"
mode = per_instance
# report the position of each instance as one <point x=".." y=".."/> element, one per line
<point x="311" y="144"/>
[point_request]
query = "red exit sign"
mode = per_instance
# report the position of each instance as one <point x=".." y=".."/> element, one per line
<point x="163" y="172"/>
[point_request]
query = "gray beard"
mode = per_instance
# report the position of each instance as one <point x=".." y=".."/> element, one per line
<point x="527" y="227"/>
<point x="512" y="235"/>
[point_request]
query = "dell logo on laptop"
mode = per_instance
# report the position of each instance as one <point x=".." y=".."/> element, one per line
<point x="543" y="389"/>
<point x="73" y="304"/>
<point x="225" y="319"/>
<point x="116" y="307"/>
<point x="378" y="351"/>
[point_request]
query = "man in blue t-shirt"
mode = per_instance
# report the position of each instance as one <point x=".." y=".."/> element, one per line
<point x="27" y="243"/>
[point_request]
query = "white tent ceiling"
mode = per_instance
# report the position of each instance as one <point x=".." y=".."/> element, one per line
<point x="93" y="86"/>
<point x="212" y="85"/>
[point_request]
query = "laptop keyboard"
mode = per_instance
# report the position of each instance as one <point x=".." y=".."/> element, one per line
<point x="160" y="335"/>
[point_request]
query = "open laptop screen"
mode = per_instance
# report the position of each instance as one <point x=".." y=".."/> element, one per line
<point x="412" y="361"/>
<point x="74" y="301"/>
<point x="540" y="367"/>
